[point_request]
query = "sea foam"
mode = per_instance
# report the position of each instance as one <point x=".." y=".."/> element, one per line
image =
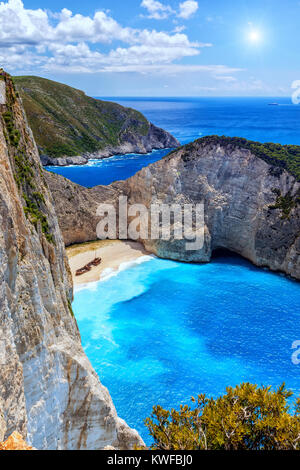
<point x="108" y="273"/>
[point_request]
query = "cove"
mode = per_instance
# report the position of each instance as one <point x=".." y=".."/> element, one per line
<point x="161" y="331"/>
<point x="107" y="170"/>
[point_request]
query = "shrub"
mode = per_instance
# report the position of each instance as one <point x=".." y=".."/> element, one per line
<point x="285" y="203"/>
<point x="247" y="417"/>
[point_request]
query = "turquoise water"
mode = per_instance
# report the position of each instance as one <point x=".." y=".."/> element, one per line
<point x="161" y="331"/>
<point x="191" y="118"/>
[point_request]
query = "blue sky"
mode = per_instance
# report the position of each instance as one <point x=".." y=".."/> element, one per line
<point x="155" y="48"/>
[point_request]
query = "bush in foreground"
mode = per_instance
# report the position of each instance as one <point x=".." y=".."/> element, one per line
<point x="247" y="417"/>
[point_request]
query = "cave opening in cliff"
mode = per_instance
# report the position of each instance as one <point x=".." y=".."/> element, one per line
<point x="219" y="254"/>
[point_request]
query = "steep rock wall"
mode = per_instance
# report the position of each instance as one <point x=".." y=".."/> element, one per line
<point x="48" y="390"/>
<point x="76" y="207"/>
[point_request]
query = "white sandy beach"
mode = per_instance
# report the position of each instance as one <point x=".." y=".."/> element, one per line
<point x="112" y="252"/>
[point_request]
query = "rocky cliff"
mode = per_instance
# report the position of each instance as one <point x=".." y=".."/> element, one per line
<point x="49" y="392"/>
<point x="250" y="191"/>
<point x="70" y="127"/>
<point x="76" y="207"/>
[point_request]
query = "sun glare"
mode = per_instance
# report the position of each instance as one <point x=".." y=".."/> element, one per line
<point x="254" y="36"/>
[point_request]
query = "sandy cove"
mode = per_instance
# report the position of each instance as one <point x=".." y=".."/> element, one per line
<point x="112" y="252"/>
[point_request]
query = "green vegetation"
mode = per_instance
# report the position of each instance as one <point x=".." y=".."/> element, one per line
<point x="14" y="134"/>
<point x="24" y="167"/>
<point x="285" y="203"/>
<point x="70" y="307"/>
<point x="281" y="157"/>
<point x="247" y="417"/>
<point x="24" y="174"/>
<point x="65" y="121"/>
<point x="34" y="214"/>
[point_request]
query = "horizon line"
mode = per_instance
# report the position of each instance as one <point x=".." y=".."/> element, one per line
<point x="195" y="96"/>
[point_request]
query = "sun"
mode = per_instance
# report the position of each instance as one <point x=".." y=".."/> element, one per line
<point x="254" y="36"/>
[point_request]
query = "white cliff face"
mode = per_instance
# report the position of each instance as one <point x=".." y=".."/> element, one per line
<point x="238" y="190"/>
<point x="2" y="92"/>
<point x="49" y="391"/>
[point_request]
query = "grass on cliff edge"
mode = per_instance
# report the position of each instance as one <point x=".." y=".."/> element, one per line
<point x="65" y="121"/>
<point x="281" y="157"/>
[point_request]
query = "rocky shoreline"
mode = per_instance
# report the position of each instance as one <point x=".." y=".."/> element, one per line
<point x="80" y="160"/>
<point x="63" y="161"/>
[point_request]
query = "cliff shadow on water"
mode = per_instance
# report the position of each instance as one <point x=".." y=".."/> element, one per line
<point x="225" y="257"/>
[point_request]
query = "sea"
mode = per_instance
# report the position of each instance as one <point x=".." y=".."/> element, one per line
<point x="159" y="331"/>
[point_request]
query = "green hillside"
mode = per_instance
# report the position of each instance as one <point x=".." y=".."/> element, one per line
<point x="65" y="121"/>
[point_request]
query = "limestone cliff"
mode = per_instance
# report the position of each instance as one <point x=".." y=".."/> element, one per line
<point x="76" y="207"/>
<point x="251" y="207"/>
<point x="49" y="392"/>
<point x="250" y="195"/>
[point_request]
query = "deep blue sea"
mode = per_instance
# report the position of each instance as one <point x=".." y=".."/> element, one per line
<point x="191" y="118"/>
<point x="160" y="332"/>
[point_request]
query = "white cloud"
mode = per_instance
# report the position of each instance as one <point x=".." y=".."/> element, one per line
<point x="139" y="58"/>
<point x="20" y="26"/>
<point x="101" y="28"/>
<point x="156" y="9"/>
<point x="160" y="11"/>
<point x="160" y="38"/>
<point x="214" y="19"/>
<point x="37" y="41"/>
<point x="187" y="9"/>
<point x="117" y="62"/>
<point x="225" y="78"/>
<point x="179" y="29"/>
